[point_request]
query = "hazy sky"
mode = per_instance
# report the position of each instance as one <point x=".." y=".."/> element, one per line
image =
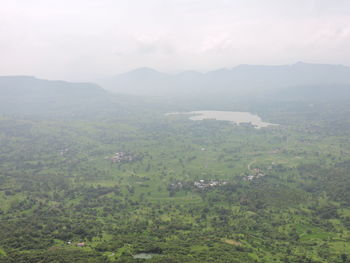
<point x="86" y="39"/>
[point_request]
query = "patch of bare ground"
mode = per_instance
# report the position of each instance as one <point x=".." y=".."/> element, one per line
<point x="232" y="242"/>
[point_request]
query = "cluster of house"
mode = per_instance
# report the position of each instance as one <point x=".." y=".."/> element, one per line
<point x="81" y="244"/>
<point x="63" y="151"/>
<point x="256" y="174"/>
<point x="176" y="186"/>
<point x="203" y="184"/>
<point x="121" y="157"/>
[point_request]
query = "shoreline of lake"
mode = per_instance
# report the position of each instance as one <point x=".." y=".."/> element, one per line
<point x="230" y="116"/>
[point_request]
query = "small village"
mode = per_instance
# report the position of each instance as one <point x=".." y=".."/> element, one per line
<point x="203" y="184"/>
<point x="256" y="173"/>
<point x="121" y="157"/>
<point x="200" y="184"/>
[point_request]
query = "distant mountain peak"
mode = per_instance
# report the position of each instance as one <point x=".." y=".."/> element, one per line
<point x="144" y="70"/>
<point x="300" y="63"/>
<point x="189" y="73"/>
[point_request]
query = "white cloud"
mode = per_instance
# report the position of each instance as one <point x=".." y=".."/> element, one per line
<point x="84" y="39"/>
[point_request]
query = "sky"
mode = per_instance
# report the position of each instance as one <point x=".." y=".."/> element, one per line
<point x="81" y="40"/>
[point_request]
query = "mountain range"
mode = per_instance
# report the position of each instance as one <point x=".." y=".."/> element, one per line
<point x="240" y="80"/>
<point x="115" y="96"/>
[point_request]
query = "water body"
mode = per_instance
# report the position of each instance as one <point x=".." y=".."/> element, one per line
<point x="231" y="116"/>
<point x="145" y="255"/>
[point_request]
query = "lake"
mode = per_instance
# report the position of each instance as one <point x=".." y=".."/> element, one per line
<point x="231" y="116"/>
<point x="145" y="255"/>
